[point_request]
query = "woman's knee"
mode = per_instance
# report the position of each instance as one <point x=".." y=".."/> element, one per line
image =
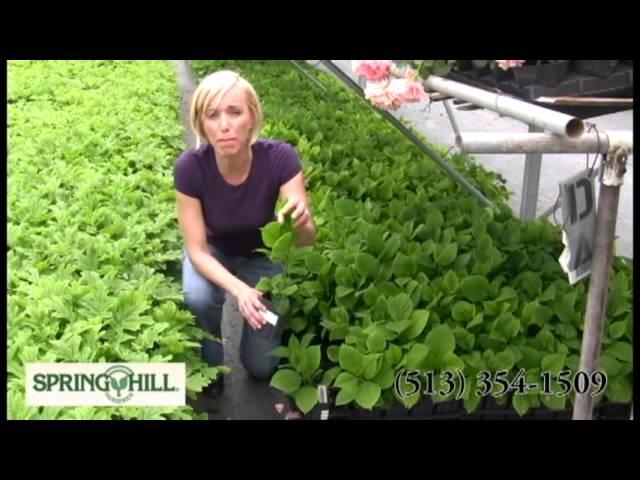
<point x="203" y="299"/>
<point x="260" y="367"/>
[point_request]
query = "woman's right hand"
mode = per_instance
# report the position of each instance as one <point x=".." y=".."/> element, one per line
<point x="250" y="306"/>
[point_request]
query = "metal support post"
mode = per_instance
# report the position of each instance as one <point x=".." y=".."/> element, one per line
<point x="613" y="170"/>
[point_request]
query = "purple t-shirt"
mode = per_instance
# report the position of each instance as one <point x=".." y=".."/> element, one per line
<point x="232" y="214"/>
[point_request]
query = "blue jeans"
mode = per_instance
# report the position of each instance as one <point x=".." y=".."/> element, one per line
<point x="205" y="301"/>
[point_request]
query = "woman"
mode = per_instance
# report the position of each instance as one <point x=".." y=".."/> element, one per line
<point x="227" y="189"/>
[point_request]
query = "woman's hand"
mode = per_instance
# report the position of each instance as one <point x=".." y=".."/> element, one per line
<point x="250" y="306"/>
<point x="299" y="210"/>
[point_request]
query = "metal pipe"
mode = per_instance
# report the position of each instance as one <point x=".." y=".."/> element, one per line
<point x="452" y="118"/>
<point x="555" y="122"/>
<point x="308" y="75"/>
<point x="614" y="167"/>
<point x="452" y="173"/>
<point x="485" y="142"/>
<point x="530" y="182"/>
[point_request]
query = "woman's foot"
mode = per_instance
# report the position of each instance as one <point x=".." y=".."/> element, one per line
<point x="215" y="388"/>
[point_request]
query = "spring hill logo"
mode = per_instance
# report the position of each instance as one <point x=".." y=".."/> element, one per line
<point x="100" y="384"/>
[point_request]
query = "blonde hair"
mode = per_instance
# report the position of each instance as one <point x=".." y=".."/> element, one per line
<point x="211" y="89"/>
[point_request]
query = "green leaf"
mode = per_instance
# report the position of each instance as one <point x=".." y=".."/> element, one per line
<point x="367" y="395"/>
<point x="346" y="208"/>
<point x="531" y="357"/>
<point x="380" y="308"/>
<point x="375" y="243"/>
<point x="347" y="381"/>
<point x="282" y="246"/>
<point x="287" y="381"/>
<point x="447" y="255"/>
<point x="264" y="284"/>
<point x="280" y="352"/>
<point x="508" y="325"/>
<point x="477" y="320"/>
<point x="419" y="319"/>
<point x="549" y="294"/>
<point x="566" y="331"/>
<point x="563" y="308"/>
<point x="554" y="402"/>
<point x="371" y="363"/>
<point x="452" y="362"/>
<point x="610" y="365"/>
<point x="271" y="233"/>
<point x="451" y="282"/>
<point x="441" y="341"/>
<point x="344" y="277"/>
<point x="400" y="307"/>
<point x="351" y="359"/>
<point x="617" y="329"/>
<point x="309" y="303"/>
<point x="415" y="358"/>
<point x="330" y="375"/>
<point x="333" y="353"/>
<point x="474" y="288"/>
<point x="371" y="295"/>
<point x="506" y="293"/>
<point x="464" y="338"/>
<point x="502" y="361"/>
<point x="530" y="283"/>
<point x="553" y="363"/>
<point x="462" y="260"/>
<point x="376" y="342"/>
<point x="403" y="266"/>
<point x="392" y="245"/>
<point x="462" y="311"/>
<point x="290" y="290"/>
<point x="367" y="265"/>
<point x="623" y="351"/>
<point x="345" y="396"/>
<point x="521" y="404"/>
<point x="393" y="354"/>
<point x="620" y="390"/>
<point x="342" y="291"/>
<point x="434" y="221"/>
<point x="312" y="355"/>
<point x="545" y="339"/>
<point x="471" y="403"/>
<point x="306" y="399"/>
<point x="314" y="262"/>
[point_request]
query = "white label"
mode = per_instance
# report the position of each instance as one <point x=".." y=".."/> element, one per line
<point x="270" y="317"/>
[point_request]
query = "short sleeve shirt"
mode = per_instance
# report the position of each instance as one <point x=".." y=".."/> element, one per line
<point x="233" y="215"/>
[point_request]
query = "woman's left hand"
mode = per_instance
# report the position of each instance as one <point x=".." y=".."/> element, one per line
<point x="299" y="212"/>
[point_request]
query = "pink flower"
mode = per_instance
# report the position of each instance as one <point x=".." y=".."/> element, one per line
<point x="391" y="95"/>
<point x="373" y="69"/>
<point x="408" y="90"/>
<point x="410" y="74"/>
<point x="380" y="96"/>
<point x="507" y="64"/>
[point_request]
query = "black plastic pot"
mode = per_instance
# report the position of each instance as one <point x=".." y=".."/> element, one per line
<point x="501" y="75"/>
<point x="551" y="74"/>
<point x="595" y="68"/>
<point x="525" y="75"/>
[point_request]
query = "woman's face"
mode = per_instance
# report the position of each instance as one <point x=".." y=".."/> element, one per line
<point x="228" y="128"/>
